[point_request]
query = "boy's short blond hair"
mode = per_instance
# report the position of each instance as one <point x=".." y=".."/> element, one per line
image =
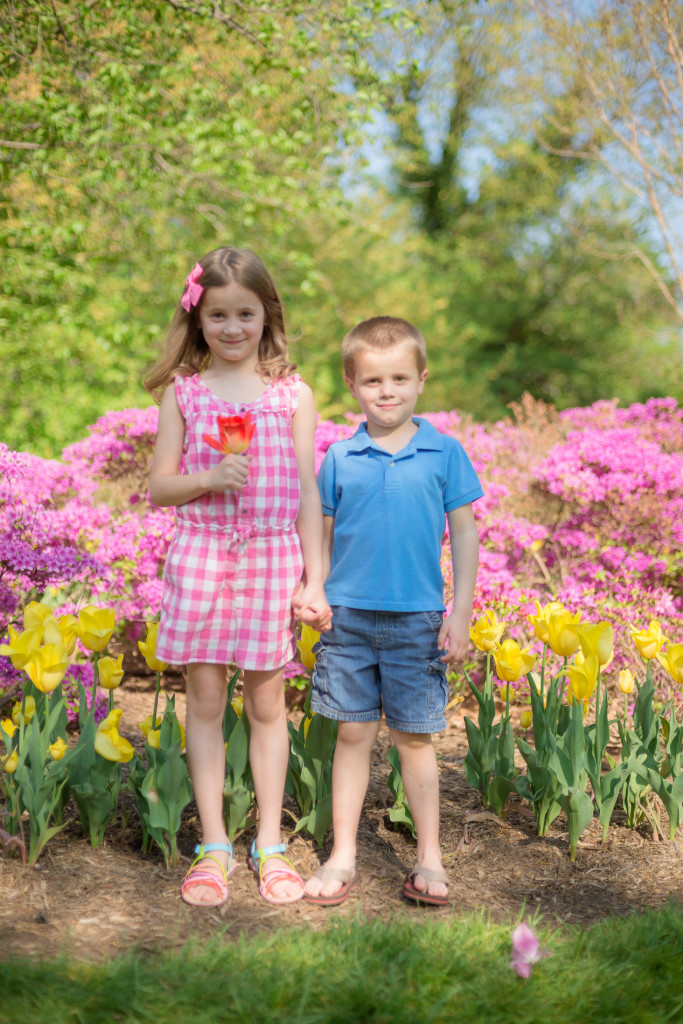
<point x="379" y="334"/>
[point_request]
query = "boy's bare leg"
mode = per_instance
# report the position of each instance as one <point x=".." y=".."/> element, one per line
<point x="350" y="777"/>
<point x="421" y="782"/>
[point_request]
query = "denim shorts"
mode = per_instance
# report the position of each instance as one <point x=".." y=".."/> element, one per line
<point x="372" y="661"/>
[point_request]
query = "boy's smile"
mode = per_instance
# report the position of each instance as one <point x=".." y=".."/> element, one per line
<point x="387" y="385"/>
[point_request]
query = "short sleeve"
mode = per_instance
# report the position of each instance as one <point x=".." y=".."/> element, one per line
<point x="462" y="483"/>
<point x="327" y="485"/>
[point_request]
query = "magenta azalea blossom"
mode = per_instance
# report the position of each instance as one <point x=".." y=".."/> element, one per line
<point x="526" y="950"/>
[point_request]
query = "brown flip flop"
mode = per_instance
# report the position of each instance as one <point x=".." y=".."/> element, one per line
<point x="349" y="878"/>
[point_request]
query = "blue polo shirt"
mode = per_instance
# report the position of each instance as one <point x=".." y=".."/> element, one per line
<point x="389" y="517"/>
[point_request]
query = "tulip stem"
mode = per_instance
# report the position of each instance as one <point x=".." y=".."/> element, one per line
<point x="95" y="680"/>
<point x="156" y="701"/>
<point x="545" y="649"/>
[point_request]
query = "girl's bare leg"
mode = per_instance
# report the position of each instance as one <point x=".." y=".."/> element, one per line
<point x="421" y="782"/>
<point x="264" y="702"/>
<point x="206" y="699"/>
<point x="350" y="777"/>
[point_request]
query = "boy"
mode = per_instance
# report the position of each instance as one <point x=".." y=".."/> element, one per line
<point x="386" y="493"/>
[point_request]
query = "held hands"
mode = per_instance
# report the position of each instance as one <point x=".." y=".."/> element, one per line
<point x="231" y="473"/>
<point x="310" y="606"/>
<point x="454" y="635"/>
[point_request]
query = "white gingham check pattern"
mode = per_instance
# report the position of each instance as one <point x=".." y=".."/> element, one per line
<point x="235" y="560"/>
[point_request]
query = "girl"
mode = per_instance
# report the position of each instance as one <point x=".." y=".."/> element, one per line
<point x="249" y="524"/>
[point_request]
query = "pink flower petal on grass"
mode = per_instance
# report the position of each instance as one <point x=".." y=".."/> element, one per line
<point x="526" y="950"/>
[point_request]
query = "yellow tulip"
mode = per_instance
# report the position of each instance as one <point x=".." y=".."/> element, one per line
<point x="597" y="638"/>
<point x="9" y="765"/>
<point x="52" y="634"/>
<point x="525" y="718"/>
<point x="58" y="749"/>
<point x="625" y="680"/>
<point x="540" y="620"/>
<point x="672" y="661"/>
<point x="486" y="632"/>
<point x="238" y="705"/>
<point x="306" y="643"/>
<point x="148" y="649"/>
<point x="154" y="738"/>
<point x="35" y="614"/>
<point x="582" y="678"/>
<point x="95" y="627"/>
<point x="110" y="672"/>
<point x="29" y="711"/>
<point x="22" y="645"/>
<point x="563" y="632"/>
<point x="68" y="625"/>
<point x="46" y="667"/>
<point x="648" y="641"/>
<point x="147" y="725"/>
<point x="512" y="661"/>
<point x="307" y="723"/>
<point x="108" y="743"/>
<point x="8" y="727"/>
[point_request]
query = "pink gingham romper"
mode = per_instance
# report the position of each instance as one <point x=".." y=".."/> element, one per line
<point x="235" y="560"/>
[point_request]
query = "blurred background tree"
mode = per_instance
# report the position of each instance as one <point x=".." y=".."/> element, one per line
<point x="400" y="158"/>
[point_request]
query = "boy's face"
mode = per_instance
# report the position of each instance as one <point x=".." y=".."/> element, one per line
<point x="386" y="385"/>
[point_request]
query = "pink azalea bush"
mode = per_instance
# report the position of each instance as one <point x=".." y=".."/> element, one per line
<point x="584" y="507"/>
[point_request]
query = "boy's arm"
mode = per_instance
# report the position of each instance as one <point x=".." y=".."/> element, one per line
<point x="455" y="631"/>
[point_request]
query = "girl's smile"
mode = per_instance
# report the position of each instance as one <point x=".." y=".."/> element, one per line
<point x="232" y="319"/>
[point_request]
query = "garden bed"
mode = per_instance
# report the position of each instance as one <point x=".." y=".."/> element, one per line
<point x="95" y="903"/>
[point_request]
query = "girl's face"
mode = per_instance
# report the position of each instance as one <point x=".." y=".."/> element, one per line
<point x="232" y="319"/>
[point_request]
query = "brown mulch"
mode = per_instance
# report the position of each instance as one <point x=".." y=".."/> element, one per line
<point x="96" y="903"/>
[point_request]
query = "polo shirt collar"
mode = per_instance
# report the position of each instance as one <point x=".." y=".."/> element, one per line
<point x="427" y="438"/>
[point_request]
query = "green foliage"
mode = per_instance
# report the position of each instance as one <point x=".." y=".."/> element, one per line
<point x="490" y="761"/>
<point x="625" y="971"/>
<point x="238" y="790"/>
<point x="309" y="777"/>
<point x="399" y="812"/>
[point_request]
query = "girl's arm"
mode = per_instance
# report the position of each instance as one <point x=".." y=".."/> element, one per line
<point x="455" y="631"/>
<point x="310" y="604"/>
<point x="169" y="487"/>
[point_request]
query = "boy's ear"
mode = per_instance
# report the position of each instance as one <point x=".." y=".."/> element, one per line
<point x="351" y="386"/>
<point x="423" y="378"/>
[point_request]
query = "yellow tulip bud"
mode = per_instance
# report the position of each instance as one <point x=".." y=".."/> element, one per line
<point x="46" y="667"/>
<point x="10" y="763"/>
<point x="154" y="738"/>
<point x="512" y="661"/>
<point x="648" y="641"/>
<point x="58" y="749"/>
<point x="238" y="705"/>
<point x="29" y="711"/>
<point x="148" y="649"/>
<point x="22" y="645"/>
<point x="306" y="642"/>
<point x="626" y="682"/>
<point x="486" y="632"/>
<point x="110" y="672"/>
<point x="95" y="627"/>
<point x="68" y="625"/>
<point x="672" y="661"/>
<point x="582" y="678"/>
<point x="540" y="620"/>
<point x="35" y="614"/>
<point x="108" y="743"/>
<point x="8" y="727"/>
<point x="563" y="632"/>
<point x="148" y="725"/>
<point x="598" y="638"/>
<point x="526" y="718"/>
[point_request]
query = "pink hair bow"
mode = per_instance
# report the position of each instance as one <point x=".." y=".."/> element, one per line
<point x="193" y="291"/>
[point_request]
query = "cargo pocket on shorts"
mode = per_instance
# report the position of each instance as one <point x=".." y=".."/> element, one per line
<point x="319" y="678"/>
<point x="437" y="689"/>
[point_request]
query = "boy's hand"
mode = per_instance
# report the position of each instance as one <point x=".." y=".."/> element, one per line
<point x="454" y="635"/>
<point x="310" y="606"/>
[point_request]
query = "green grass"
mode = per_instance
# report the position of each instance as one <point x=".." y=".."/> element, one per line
<point x="403" y="971"/>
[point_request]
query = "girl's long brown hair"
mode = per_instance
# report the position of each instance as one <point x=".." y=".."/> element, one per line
<point x="186" y="352"/>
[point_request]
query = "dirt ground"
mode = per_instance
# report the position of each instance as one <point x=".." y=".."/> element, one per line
<point x="96" y="903"/>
